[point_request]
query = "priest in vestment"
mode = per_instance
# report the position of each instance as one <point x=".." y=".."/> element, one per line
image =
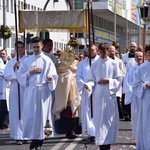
<point x="103" y="81"/>
<point x="37" y="74"/>
<point x="141" y="87"/>
<point x="130" y="97"/>
<point x="67" y="98"/>
<point x="81" y="73"/>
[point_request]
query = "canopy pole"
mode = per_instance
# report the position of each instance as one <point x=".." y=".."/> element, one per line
<point x="19" y="111"/>
<point x="89" y="48"/>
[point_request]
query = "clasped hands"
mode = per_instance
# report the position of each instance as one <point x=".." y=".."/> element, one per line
<point x="35" y="70"/>
<point x="101" y="81"/>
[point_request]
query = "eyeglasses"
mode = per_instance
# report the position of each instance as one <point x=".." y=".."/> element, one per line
<point x="133" y="46"/>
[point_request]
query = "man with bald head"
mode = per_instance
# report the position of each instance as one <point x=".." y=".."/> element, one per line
<point x="112" y="54"/>
<point x="129" y="61"/>
<point x="128" y="58"/>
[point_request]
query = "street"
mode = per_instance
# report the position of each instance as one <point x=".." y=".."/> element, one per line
<point x="125" y="141"/>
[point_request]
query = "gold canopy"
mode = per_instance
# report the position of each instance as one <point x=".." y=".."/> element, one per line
<point x="72" y="20"/>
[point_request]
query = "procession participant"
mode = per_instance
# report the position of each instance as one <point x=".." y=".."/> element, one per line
<point x="112" y="54"/>
<point x="67" y="99"/>
<point x="130" y="97"/>
<point x="104" y="78"/>
<point x="3" y="91"/>
<point x="141" y="88"/>
<point x="81" y="73"/>
<point x="47" y="50"/>
<point x="129" y="61"/>
<point x="38" y="74"/>
<point x="16" y="123"/>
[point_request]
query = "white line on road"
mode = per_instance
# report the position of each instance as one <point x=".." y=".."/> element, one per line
<point x="58" y="145"/>
<point x="72" y="144"/>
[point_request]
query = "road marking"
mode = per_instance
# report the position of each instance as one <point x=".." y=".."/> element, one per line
<point x="58" y="145"/>
<point x="73" y="144"/>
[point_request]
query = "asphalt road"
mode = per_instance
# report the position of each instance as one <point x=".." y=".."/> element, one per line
<point x="125" y="141"/>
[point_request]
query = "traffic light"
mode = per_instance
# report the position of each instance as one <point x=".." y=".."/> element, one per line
<point x="29" y="37"/>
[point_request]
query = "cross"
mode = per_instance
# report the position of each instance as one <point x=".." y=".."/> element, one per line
<point x="125" y="63"/>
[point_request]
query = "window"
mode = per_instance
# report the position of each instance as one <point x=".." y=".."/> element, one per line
<point x="7" y="5"/>
<point x="28" y="6"/>
<point x="79" y="35"/>
<point x="148" y="28"/>
<point x="0" y="4"/>
<point x="0" y="42"/>
<point x="19" y="5"/>
<point x="22" y="5"/>
<point x="148" y="39"/>
<point x="134" y="39"/>
<point x="134" y="29"/>
<point x="12" y="6"/>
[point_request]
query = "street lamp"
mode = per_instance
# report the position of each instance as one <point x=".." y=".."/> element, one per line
<point x="144" y="9"/>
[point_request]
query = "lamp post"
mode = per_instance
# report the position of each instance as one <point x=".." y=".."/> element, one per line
<point x="144" y="9"/>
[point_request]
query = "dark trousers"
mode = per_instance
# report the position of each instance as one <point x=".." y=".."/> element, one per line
<point x="70" y="122"/>
<point x="126" y="108"/>
<point x="120" y="110"/>
<point x="36" y="143"/>
<point x="104" y="147"/>
<point x="3" y="112"/>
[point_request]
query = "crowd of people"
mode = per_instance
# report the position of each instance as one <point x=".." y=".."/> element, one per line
<point x="95" y="90"/>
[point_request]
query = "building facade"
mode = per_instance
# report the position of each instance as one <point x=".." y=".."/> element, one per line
<point x="113" y="20"/>
<point x="7" y="16"/>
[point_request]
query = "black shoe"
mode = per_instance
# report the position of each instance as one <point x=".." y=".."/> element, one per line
<point x="127" y="119"/>
<point x="88" y="140"/>
<point x="71" y="135"/>
<point x="32" y="145"/>
<point x="18" y="142"/>
<point x="24" y="142"/>
<point x="4" y="125"/>
<point x="38" y="148"/>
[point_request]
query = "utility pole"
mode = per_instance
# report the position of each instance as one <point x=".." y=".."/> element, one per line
<point x="4" y="21"/>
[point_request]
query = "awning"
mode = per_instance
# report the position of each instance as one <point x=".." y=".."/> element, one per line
<point x="72" y="20"/>
<point x="108" y="15"/>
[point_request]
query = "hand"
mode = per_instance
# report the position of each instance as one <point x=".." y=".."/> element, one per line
<point x="85" y="86"/>
<point x="35" y="70"/>
<point x="148" y="85"/>
<point x="103" y="81"/>
<point x="16" y="65"/>
<point x="49" y="78"/>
